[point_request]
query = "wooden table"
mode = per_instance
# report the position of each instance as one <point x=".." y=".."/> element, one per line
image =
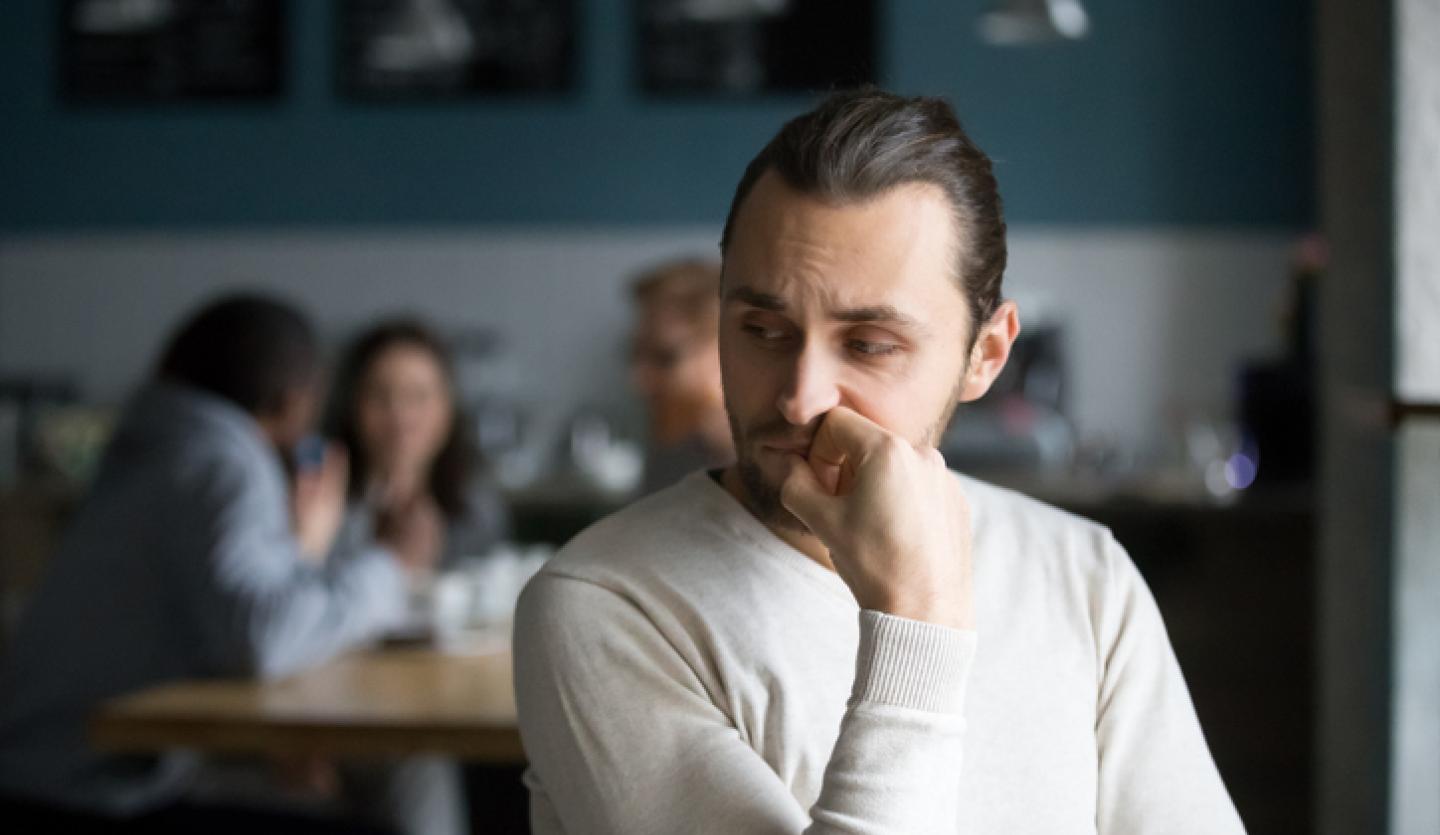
<point x="389" y="702"/>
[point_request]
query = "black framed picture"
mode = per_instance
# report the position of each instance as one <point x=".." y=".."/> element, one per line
<point x="117" y="51"/>
<point x="755" y="47"/>
<point x="427" y="49"/>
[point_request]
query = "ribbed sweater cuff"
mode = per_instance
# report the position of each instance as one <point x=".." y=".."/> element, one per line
<point x="912" y="664"/>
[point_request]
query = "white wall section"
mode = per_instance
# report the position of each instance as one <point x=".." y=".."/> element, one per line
<point x="1156" y="320"/>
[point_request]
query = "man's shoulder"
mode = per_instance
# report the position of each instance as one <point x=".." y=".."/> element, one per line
<point x="1011" y="504"/>
<point x="1007" y="519"/>
<point x="656" y="558"/>
<point x="662" y="529"/>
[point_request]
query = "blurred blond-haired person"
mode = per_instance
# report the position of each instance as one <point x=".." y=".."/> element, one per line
<point x="675" y="368"/>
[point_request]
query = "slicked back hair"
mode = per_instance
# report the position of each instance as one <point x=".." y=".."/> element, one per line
<point x="859" y="144"/>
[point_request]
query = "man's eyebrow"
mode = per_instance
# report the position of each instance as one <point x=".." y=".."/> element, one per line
<point x="755" y="298"/>
<point x="882" y="314"/>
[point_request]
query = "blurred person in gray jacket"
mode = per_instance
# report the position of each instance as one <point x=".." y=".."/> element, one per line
<point x="193" y="557"/>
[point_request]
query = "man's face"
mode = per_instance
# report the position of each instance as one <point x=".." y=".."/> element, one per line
<point x="828" y="305"/>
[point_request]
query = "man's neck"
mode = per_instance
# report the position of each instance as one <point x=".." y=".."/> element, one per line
<point x="806" y="543"/>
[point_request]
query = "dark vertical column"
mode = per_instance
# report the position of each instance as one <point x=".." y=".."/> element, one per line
<point x="1356" y="118"/>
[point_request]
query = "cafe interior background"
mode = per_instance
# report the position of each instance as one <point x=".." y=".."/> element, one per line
<point x="1222" y="234"/>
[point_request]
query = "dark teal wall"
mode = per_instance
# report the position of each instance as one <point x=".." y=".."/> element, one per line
<point x="1174" y="112"/>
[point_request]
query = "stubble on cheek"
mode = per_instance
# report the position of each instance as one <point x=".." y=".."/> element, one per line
<point x="763" y="497"/>
<point x="762" y="494"/>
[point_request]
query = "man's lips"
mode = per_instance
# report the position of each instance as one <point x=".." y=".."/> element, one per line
<point x="801" y="448"/>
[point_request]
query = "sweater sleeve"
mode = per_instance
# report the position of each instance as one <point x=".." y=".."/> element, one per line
<point x="623" y="738"/>
<point x="1156" y="772"/>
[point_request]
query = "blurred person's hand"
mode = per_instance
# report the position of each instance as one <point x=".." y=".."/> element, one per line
<point x="893" y="516"/>
<point x="414" y="530"/>
<point x="319" y="502"/>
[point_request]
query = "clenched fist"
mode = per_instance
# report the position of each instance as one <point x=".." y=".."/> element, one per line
<point x="892" y="515"/>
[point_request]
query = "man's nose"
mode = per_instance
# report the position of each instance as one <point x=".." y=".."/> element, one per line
<point x="812" y="389"/>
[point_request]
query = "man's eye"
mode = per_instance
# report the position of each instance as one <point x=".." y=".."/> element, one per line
<point x="763" y="333"/>
<point x="872" y="349"/>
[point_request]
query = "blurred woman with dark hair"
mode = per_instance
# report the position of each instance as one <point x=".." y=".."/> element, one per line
<point x="396" y="410"/>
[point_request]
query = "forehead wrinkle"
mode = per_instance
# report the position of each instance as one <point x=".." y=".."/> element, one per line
<point x="795" y="243"/>
<point x="878" y="314"/>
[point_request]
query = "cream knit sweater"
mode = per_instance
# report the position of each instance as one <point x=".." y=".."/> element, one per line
<point x="680" y="669"/>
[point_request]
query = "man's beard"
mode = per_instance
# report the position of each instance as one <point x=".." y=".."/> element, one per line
<point x="763" y="495"/>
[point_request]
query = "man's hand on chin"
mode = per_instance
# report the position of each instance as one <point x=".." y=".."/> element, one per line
<point x="892" y="515"/>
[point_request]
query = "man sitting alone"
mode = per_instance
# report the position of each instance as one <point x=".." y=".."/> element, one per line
<point x="838" y="634"/>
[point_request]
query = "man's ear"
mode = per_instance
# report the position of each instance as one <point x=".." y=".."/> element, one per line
<point x="992" y="349"/>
